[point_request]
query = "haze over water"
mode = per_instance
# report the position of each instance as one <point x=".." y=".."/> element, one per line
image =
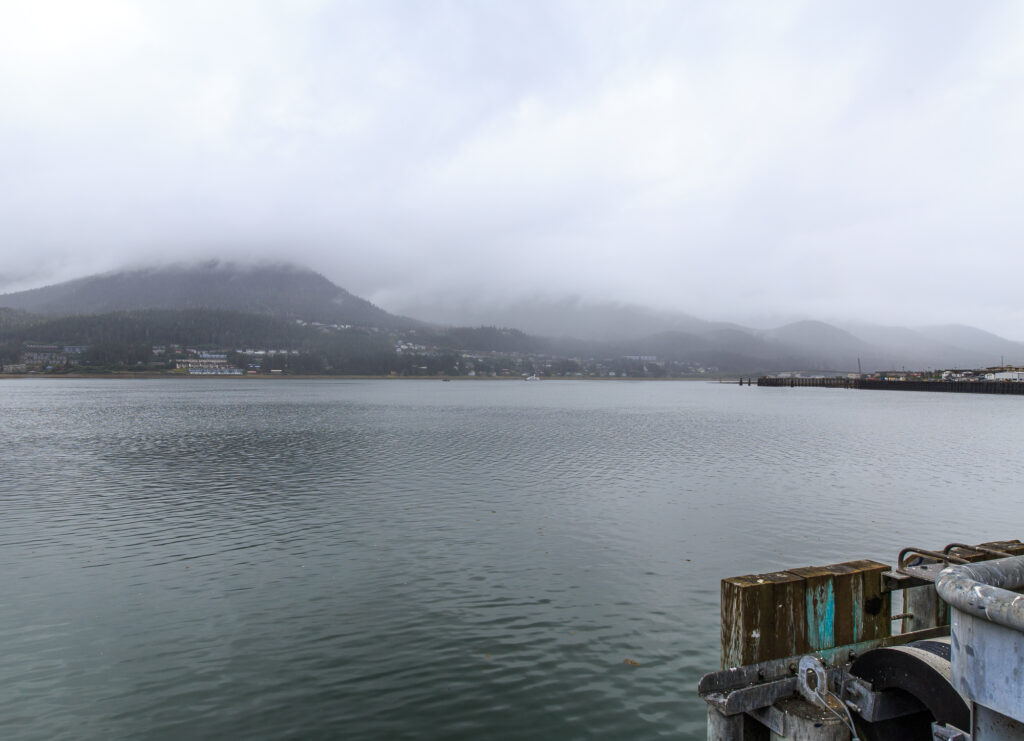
<point x="415" y="559"/>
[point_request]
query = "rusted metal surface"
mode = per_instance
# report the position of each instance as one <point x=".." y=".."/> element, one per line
<point x="918" y="568"/>
<point x="978" y="552"/>
<point x="904" y="559"/>
<point x="894" y="581"/>
<point x="994" y="552"/>
<point x="926" y="564"/>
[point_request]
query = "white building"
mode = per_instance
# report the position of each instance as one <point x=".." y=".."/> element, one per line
<point x="1005" y="376"/>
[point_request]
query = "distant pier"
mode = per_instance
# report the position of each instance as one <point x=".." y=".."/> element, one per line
<point x="874" y="384"/>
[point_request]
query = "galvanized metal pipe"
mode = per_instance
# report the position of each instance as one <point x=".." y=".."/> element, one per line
<point x="982" y="589"/>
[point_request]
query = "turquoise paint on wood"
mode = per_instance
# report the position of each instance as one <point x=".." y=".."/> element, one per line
<point x="821" y="615"/>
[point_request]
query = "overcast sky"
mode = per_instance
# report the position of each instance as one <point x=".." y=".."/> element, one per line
<point x="727" y="159"/>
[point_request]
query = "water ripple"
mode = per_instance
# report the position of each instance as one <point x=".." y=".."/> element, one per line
<point x="421" y="560"/>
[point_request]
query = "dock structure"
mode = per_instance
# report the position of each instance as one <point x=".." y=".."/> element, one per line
<point x="874" y="384"/>
<point x="825" y="652"/>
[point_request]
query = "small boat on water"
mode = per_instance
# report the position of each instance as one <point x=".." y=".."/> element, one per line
<point x="534" y="377"/>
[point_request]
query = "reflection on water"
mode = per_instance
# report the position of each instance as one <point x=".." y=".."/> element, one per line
<point x="375" y="559"/>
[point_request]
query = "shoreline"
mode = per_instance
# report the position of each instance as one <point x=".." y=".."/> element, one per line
<point x="142" y="375"/>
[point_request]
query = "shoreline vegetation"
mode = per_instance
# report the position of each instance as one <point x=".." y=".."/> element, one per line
<point x="287" y="320"/>
<point x="150" y="375"/>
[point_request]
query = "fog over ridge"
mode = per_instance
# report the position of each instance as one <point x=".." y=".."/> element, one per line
<point x="727" y="161"/>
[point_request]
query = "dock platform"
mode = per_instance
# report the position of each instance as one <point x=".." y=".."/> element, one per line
<point x="826" y="652"/>
<point x="874" y="384"/>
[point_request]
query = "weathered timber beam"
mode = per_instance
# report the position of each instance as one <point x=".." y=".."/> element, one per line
<point x="788" y="613"/>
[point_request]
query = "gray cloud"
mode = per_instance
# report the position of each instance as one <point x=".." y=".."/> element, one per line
<point x="724" y="159"/>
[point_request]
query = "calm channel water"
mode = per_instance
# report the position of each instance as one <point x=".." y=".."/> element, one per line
<point x="269" y="559"/>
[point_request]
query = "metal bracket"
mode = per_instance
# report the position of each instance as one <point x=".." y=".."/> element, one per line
<point x="855" y="693"/>
<point x="749" y="698"/>
<point x="772" y="719"/>
<point x="894" y="581"/>
<point x="740" y="677"/>
<point x="924" y="572"/>
<point x="875" y="706"/>
<point x="948" y="733"/>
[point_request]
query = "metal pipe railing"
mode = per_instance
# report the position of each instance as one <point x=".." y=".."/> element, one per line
<point x="983" y="590"/>
<point x="946" y="557"/>
<point x="977" y="549"/>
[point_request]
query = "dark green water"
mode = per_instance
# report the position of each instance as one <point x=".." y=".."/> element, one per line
<point x="389" y="560"/>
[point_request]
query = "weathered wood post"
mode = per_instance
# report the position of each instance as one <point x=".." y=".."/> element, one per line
<point x="788" y="613"/>
<point x="763" y="618"/>
<point x="845" y="603"/>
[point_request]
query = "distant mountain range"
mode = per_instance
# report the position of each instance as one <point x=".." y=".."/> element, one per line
<point x="810" y="345"/>
<point x="566" y="317"/>
<point x="295" y="296"/>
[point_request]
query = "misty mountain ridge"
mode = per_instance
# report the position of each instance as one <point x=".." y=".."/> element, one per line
<point x="567" y="327"/>
<point x="570" y="316"/>
<point x="804" y="344"/>
<point x="282" y="290"/>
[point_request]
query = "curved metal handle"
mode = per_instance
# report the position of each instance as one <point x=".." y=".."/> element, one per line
<point x="944" y="557"/>
<point x="983" y="590"/>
